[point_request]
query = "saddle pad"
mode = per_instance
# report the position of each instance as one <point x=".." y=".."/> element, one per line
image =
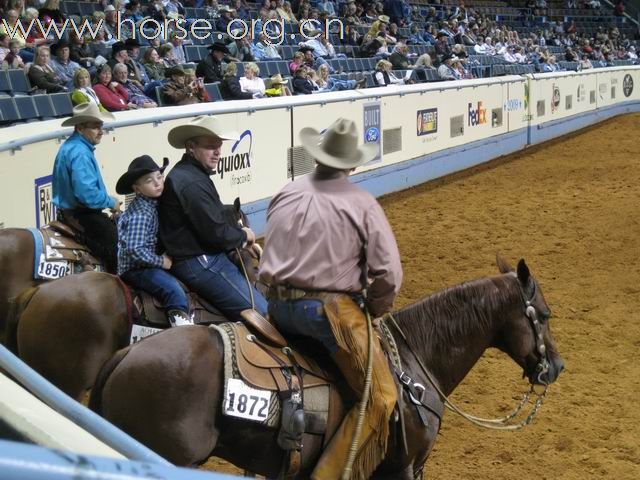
<point x="315" y="400"/>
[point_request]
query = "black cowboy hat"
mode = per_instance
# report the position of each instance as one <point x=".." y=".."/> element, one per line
<point x="219" y="47"/>
<point x="177" y="70"/>
<point x="62" y="43"/>
<point x="132" y="43"/>
<point x="305" y="49"/>
<point x="139" y="167"/>
<point x="117" y="47"/>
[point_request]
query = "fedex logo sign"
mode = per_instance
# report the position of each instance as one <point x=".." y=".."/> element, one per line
<point x="478" y="115"/>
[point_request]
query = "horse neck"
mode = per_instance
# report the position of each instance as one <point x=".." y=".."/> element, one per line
<point x="450" y="330"/>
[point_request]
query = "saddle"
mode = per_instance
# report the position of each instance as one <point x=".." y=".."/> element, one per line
<point x="59" y="253"/>
<point x="149" y="312"/>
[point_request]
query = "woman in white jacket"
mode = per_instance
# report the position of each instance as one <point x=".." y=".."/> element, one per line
<point x="251" y="82"/>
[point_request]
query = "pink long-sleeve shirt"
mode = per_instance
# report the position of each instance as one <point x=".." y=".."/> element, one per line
<point x="328" y="234"/>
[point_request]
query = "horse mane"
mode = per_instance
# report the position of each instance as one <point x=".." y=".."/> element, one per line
<point x="442" y="319"/>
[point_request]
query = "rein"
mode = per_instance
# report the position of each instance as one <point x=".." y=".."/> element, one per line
<point x="497" y="423"/>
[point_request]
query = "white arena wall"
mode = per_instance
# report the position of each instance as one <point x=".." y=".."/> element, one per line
<point x="424" y="131"/>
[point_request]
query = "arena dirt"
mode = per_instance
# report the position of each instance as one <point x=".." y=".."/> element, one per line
<point x="571" y="208"/>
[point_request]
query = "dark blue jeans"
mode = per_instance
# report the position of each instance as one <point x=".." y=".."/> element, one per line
<point x="304" y="318"/>
<point x="161" y="284"/>
<point x="216" y="279"/>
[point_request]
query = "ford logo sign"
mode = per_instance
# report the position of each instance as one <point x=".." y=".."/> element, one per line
<point x="372" y="135"/>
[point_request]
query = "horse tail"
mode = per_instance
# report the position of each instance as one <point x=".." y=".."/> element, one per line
<point x="17" y="305"/>
<point x="95" y="399"/>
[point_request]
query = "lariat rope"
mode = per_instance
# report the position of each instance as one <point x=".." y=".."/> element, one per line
<point x="490" y="423"/>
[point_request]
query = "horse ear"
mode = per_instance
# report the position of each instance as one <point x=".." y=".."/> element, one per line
<point x="503" y="265"/>
<point x="523" y="272"/>
<point x="236" y="204"/>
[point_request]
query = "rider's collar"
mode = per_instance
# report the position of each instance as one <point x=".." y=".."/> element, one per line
<point x="188" y="158"/>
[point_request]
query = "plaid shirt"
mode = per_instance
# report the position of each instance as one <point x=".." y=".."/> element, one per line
<point x="137" y="235"/>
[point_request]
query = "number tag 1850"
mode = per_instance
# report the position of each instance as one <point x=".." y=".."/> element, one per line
<point x="56" y="269"/>
<point x="246" y="402"/>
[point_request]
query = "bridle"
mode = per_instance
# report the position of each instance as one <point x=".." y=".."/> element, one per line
<point x="493" y="423"/>
<point x="542" y="368"/>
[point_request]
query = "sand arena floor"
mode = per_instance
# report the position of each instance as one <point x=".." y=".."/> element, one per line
<point x="571" y="208"/>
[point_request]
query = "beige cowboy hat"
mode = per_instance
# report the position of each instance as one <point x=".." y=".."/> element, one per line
<point x="87" y="112"/>
<point x="202" y="126"/>
<point x="384" y="18"/>
<point x="338" y="146"/>
<point x="278" y="80"/>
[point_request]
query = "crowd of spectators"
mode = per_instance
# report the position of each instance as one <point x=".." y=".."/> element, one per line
<point x="454" y="35"/>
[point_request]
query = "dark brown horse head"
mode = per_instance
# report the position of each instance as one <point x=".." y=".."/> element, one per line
<point x="526" y="336"/>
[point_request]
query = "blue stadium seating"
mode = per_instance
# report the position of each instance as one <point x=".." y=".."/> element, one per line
<point x="44" y="106"/>
<point x="213" y="90"/>
<point x="62" y="105"/>
<point x="26" y="108"/>
<point x="8" y="110"/>
<point x="19" y="82"/>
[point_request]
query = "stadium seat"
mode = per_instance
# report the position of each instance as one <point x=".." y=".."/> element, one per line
<point x="213" y="90"/>
<point x="61" y="104"/>
<point x="8" y="110"/>
<point x="192" y="53"/>
<point x="5" y="85"/>
<point x="160" y="96"/>
<point x="283" y="67"/>
<point x="44" y="106"/>
<point x="26" y="108"/>
<point x="86" y="9"/>
<point x="19" y="82"/>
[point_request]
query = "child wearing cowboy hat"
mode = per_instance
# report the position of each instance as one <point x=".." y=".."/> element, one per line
<point x="138" y="263"/>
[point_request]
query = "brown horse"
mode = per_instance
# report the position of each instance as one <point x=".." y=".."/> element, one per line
<point x="16" y="268"/>
<point x="168" y="390"/>
<point x="66" y="329"/>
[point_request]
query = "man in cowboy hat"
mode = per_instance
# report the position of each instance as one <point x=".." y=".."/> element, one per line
<point x="138" y="263"/>
<point x="176" y="91"/>
<point x="326" y="241"/>
<point x="277" y="87"/>
<point x="210" y="68"/>
<point x="193" y="227"/>
<point x="79" y="192"/>
<point x="64" y="67"/>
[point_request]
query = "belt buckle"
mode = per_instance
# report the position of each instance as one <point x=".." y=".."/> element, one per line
<point x="404" y="378"/>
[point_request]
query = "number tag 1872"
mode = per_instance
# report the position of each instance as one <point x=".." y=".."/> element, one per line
<point x="246" y="402"/>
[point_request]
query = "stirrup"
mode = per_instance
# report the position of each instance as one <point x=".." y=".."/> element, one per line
<point x="262" y="326"/>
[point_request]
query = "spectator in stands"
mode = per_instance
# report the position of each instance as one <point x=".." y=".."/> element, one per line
<point x="631" y="53"/>
<point x="42" y="76"/>
<point x="50" y="12"/>
<point x="296" y="62"/>
<point x="111" y="94"/>
<point x="12" y="59"/>
<point x="486" y="48"/>
<point x="153" y="64"/>
<point x="211" y="67"/>
<point x="442" y="47"/>
<point x="134" y="11"/>
<point x="166" y="54"/>
<point x="327" y="6"/>
<point x="510" y="55"/>
<point x="242" y="10"/>
<point x="302" y="84"/>
<point x="326" y="83"/>
<point x="226" y="15"/>
<point x="11" y="19"/>
<point x="285" y="12"/>
<point x="463" y="72"/>
<point x="64" y="68"/>
<point x="176" y="91"/>
<point x="240" y="48"/>
<point x="585" y="63"/>
<point x="424" y="61"/>
<point x="251" y="81"/>
<point x="4" y="46"/>
<point x="277" y="87"/>
<point x="230" y="86"/>
<point x="135" y="93"/>
<point x="80" y="52"/>
<point x="446" y="71"/>
<point x="83" y="92"/>
<point x="570" y="55"/>
<point x="263" y="49"/>
<point x="380" y="23"/>
<point x="400" y="57"/>
<point x="416" y="37"/>
<point x="459" y="51"/>
<point x="383" y="75"/>
<point x="394" y="10"/>
<point x="137" y="71"/>
<point x="178" y="47"/>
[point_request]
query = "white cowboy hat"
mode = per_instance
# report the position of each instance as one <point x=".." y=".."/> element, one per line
<point x="202" y="126"/>
<point x="87" y="112"/>
<point x="338" y="146"/>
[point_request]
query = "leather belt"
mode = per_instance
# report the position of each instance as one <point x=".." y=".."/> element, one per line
<point x="283" y="292"/>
